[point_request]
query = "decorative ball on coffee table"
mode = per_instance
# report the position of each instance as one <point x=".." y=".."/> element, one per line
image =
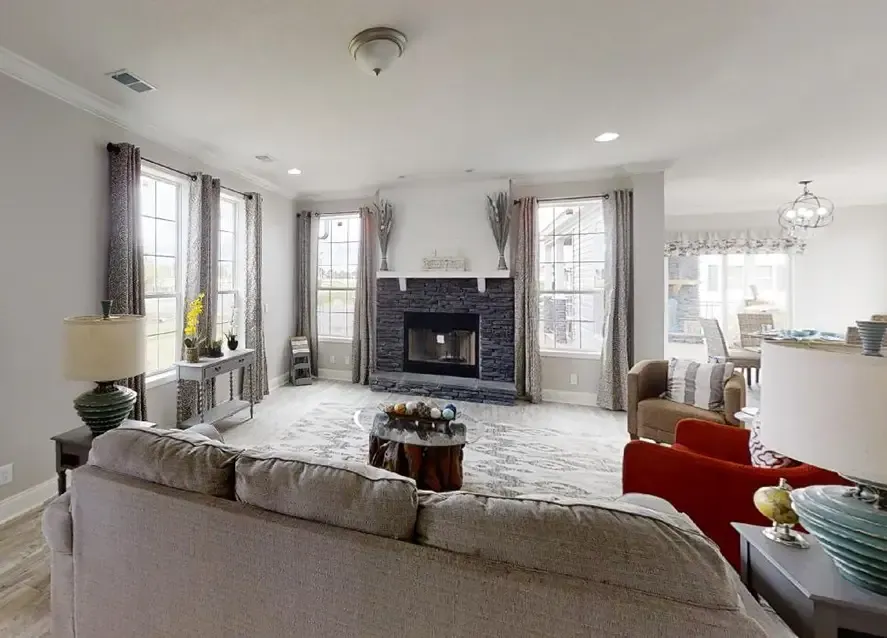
<point x="434" y="413"/>
<point x="448" y="413"/>
<point x="411" y="407"/>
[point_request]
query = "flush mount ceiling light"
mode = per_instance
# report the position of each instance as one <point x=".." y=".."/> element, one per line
<point x="606" y="137"/>
<point x="377" y="48"/>
<point x="295" y="171"/>
<point x="806" y="211"/>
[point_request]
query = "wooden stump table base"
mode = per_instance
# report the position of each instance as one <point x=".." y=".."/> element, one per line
<point x="436" y="468"/>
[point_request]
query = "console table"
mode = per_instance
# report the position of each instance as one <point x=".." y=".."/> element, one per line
<point x="203" y="374"/>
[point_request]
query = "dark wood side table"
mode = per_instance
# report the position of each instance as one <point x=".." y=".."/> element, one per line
<point x="805" y="589"/>
<point x="72" y="449"/>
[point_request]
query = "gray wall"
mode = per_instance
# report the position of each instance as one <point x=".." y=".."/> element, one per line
<point x="54" y="185"/>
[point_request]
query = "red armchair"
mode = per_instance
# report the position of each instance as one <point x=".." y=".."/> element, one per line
<point x="708" y="475"/>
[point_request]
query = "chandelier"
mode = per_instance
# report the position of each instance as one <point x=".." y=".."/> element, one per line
<point x="806" y="211"/>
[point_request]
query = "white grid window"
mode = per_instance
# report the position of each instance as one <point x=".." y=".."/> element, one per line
<point x="338" y="248"/>
<point x="571" y="275"/>
<point x="162" y="204"/>
<point x="228" y="302"/>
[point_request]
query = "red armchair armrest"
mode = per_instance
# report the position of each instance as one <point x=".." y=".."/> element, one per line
<point x="724" y="442"/>
<point x="712" y="492"/>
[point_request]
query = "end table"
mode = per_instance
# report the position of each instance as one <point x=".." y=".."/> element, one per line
<point x="805" y="589"/>
<point x="72" y="449"/>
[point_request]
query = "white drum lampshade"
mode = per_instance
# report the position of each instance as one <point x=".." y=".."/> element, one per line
<point x="826" y="404"/>
<point x="99" y="349"/>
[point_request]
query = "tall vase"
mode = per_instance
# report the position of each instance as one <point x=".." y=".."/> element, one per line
<point x="192" y="355"/>
<point x="871" y="333"/>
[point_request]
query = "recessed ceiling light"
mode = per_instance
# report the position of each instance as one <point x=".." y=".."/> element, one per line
<point x="469" y="170"/>
<point x="401" y="177"/>
<point x="606" y="137"/>
<point x="295" y="171"/>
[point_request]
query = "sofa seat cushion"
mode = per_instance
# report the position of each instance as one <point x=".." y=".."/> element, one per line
<point x="345" y="494"/>
<point x="654" y="551"/>
<point x="174" y="458"/>
<point x="662" y="414"/>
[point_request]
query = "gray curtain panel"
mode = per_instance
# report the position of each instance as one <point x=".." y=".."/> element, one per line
<point x="363" y="342"/>
<point x="201" y="271"/>
<point x="253" y="314"/>
<point x="306" y="321"/>
<point x="617" y="355"/>
<point x="527" y="361"/>
<point x="126" y="283"/>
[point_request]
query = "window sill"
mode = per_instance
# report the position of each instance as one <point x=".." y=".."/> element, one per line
<point x="159" y="379"/>
<point x="570" y="354"/>
<point x="335" y="339"/>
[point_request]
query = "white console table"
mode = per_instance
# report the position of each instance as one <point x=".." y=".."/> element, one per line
<point x="203" y="373"/>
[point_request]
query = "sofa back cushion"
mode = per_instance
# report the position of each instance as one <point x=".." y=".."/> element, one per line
<point x="698" y="384"/>
<point x="607" y="542"/>
<point x="174" y="458"/>
<point x="350" y="495"/>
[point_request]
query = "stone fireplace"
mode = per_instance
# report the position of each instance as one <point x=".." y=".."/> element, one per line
<point x="446" y="337"/>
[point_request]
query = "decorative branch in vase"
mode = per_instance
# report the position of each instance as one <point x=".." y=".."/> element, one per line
<point x="231" y="333"/>
<point x="499" y="213"/>
<point x="385" y="220"/>
<point x="192" y="325"/>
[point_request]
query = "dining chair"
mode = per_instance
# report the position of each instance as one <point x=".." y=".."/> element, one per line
<point x="751" y="322"/>
<point x="716" y="348"/>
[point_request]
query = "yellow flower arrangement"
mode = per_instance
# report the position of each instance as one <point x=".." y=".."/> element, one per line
<point x="192" y="319"/>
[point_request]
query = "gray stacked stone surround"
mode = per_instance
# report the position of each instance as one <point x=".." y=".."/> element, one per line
<point x="495" y="308"/>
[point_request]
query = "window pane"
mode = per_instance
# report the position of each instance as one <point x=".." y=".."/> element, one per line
<point x="340" y="257"/>
<point x="323" y="300"/>
<point x="323" y="323"/>
<point x="546" y="276"/>
<point x="324" y="254"/>
<point x="167" y="200"/>
<point x="166" y="355"/>
<point x="226" y="218"/>
<point x="591" y="307"/>
<point x="590" y="336"/>
<point x="147" y="201"/>
<point x="152" y="325"/>
<point x="324" y="276"/>
<point x="351" y="281"/>
<point x="354" y="253"/>
<point x="167" y="315"/>
<point x="165" y="274"/>
<point x="564" y="276"/>
<point x="546" y="335"/>
<point x="226" y="275"/>
<point x="338" y="321"/>
<point x="591" y="276"/>
<point x="592" y="247"/>
<point x="148" y="235"/>
<point x="150" y="277"/>
<point x="544" y="220"/>
<point x="337" y="300"/>
<point x="167" y="241"/>
<point x="151" y="353"/>
<point x="592" y="220"/>
<point x="339" y="231"/>
<point x="349" y="301"/>
<point x="349" y="324"/>
<point x="226" y="246"/>
<point x="354" y="229"/>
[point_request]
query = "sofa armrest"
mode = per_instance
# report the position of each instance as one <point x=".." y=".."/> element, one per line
<point x="724" y="442"/>
<point x="58" y="528"/>
<point x="646" y="379"/>
<point x="734" y="397"/>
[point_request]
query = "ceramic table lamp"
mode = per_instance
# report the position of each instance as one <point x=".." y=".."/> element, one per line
<point x="826" y="405"/>
<point x="104" y="350"/>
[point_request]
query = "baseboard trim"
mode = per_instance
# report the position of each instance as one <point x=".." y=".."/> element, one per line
<point x="334" y="375"/>
<point x="573" y="398"/>
<point x="277" y="382"/>
<point x="24" y="502"/>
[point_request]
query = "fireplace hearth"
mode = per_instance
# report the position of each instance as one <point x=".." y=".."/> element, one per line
<point x="441" y="343"/>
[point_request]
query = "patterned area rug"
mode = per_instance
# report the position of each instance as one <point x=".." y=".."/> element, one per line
<point x="547" y="448"/>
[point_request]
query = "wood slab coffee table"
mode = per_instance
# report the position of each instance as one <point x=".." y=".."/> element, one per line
<point x="430" y="456"/>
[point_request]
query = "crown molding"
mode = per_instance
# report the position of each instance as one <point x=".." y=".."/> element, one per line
<point x="44" y="80"/>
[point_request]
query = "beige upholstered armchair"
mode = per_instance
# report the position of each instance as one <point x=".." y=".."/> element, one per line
<point x="652" y="417"/>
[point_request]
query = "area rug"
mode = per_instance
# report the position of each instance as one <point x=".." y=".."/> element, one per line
<point x="547" y="448"/>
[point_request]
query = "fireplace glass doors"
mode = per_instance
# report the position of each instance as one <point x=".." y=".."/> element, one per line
<point x="441" y="343"/>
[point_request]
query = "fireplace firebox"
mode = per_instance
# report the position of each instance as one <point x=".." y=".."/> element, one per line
<point x="441" y="343"/>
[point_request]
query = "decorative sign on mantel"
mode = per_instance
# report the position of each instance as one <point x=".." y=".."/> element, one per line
<point x="435" y="263"/>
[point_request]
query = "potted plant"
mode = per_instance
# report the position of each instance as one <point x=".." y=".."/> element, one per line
<point x="215" y="349"/>
<point x="192" y="324"/>
<point x="231" y="333"/>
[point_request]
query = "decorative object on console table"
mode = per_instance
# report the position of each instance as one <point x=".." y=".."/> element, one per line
<point x="775" y="503"/>
<point x="104" y="350"/>
<point x="499" y="214"/>
<point x="825" y="405"/>
<point x="445" y="264"/>
<point x="214" y="349"/>
<point x="385" y="222"/>
<point x="871" y="335"/>
<point x="192" y="322"/>
<point x="805" y="589"/>
<point x="231" y="333"/>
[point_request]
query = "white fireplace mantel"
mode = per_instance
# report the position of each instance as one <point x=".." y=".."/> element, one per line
<point x="481" y="277"/>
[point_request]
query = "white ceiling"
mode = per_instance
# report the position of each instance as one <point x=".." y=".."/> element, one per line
<point x="741" y="98"/>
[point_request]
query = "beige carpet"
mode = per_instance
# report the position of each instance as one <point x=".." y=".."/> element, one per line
<point x="545" y="448"/>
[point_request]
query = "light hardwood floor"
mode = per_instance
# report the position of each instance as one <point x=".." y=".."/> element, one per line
<point x="24" y="579"/>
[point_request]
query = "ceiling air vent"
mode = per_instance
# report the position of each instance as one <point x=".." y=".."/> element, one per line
<point x="264" y="158"/>
<point x="130" y="81"/>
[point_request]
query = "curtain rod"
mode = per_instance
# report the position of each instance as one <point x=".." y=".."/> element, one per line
<point x="309" y="213"/>
<point x="191" y="176"/>
<point x="570" y="199"/>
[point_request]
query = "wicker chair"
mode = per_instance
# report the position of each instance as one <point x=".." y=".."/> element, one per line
<point x="750" y="322"/>
<point x="716" y="346"/>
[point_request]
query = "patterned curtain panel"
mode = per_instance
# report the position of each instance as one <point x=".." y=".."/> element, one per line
<point x="201" y="271"/>
<point x="363" y="343"/>
<point x="616" y="354"/>
<point x="527" y="361"/>
<point x="739" y="242"/>
<point x="126" y="284"/>
<point x="306" y="322"/>
<point x="254" y="319"/>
